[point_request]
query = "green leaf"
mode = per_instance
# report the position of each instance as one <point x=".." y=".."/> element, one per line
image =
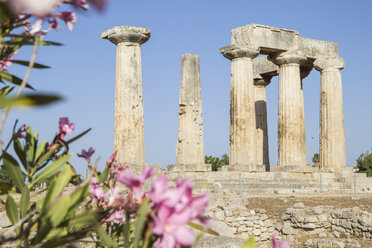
<point x="13" y="170"/>
<point x="105" y="238"/>
<point x="201" y="228"/>
<point x="27" y="63"/>
<point x="250" y="243"/>
<point x="57" y="186"/>
<point x="4" y="76"/>
<point x="126" y="229"/>
<point x="103" y="177"/>
<point x="44" y="158"/>
<point x="85" y="219"/>
<point x="18" y="148"/>
<point x="50" y="43"/>
<point x="11" y="210"/>
<point x="5" y="188"/>
<point x="78" y="136"/>
<point x="30" y="146"/>
<point x="29" y="100"/>
<point x="140" y="222"/>
<point x="51" y="170"/>
<point x="25" y="201"/>
<point x="40" y="149"/>
<point x="6" y="90"/>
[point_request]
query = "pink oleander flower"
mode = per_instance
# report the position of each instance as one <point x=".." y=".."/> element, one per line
<point x="174" y="208"/>
<point x="69" y="18"/>
<point x="114" y="197"/>
<point x="65" y="127"/>
<point x="117" y="216"/>
<point x="36" y="7"/>
<point x="170" y="226"/>
<point x="277" y="243"/>
<point x="6" y="61"/>
<point x="96" y="190"/>
<point x="78" y="3"/>
<point x="129" y="179"/>
<point x="99" y="4"/>
<point x="21" y="131"/>
<point x="86" y="154"/>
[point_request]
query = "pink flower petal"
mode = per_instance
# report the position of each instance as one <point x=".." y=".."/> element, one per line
<point x="184" y="236"/>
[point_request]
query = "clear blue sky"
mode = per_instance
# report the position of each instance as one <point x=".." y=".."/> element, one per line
<point x="83" y="71"/>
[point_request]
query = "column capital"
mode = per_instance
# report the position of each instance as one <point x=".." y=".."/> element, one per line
<point x="129" y="34"/>
<point x="288" y="57"/>
<point x="261" y="80"/>
<point x="325" y="64"/>
<point x="233" y="52"/>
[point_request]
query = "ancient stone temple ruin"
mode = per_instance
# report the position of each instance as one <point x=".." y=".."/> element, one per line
<point x="257" y="54"/>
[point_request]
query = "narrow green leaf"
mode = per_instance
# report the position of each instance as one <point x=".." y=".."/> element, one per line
<point x="25" y="201"/>
<point x="5" y="188"/>
<point x="201" y="228"/>
<point x="85" y="219"/>
<point x="105" y="238"/>
<point x="30" y="146"/>
<point x="57" y="186"/>
<point x="140" y="222"/>
<point x="6" y="90"/>
<point x="126" y="230"/>
<point x="44" y="158"/>
<point x="40" y="149"/>
<point x="27" y="63"/>
<point x="50" y="43"/>
<point x="11" y="210"/>
<point x="13" y="170"/>
<point x="29" y="100"/>
<point x="79" y="195"/>
<point x="250" y="243"/>
<point x="51" y="170"/>
<point x="18" y="148"/>
<point x="4" y="76"/>
<point x="78" y="136"/>
<point x="103" y="177"/>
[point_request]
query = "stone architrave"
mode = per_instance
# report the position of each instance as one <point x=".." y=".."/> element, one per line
<point x="242" y="106"/>
<point x="332" y="131"/>
<point x="291" y="122"/>
<point x="128" y="126"/>
<point x="190" y="144"/>
<point x="262" y="140"/>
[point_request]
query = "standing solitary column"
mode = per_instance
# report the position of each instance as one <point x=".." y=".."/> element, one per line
<point x="262" y="140"/>
<point x="242" y="109"/>
<point x="128" y="127"/>
<point x="291" y="122"/>
<point x="190" y="145"/>
<point x="332" y="132"/>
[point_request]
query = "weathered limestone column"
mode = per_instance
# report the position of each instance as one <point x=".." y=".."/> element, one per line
<point x="291" y="122"/>
<point x="242" y="108"/>
<point x="128" y="127"/>
<point x="262" y="140"/>
<point x="332" y="131"/>
<point x="190" y="144"/>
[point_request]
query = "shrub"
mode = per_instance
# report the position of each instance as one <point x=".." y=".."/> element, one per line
<point x="217" y="162"/>
<point x="364" y="163"/>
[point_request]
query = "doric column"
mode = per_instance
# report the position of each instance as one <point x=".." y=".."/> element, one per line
<point x="332" y="132"/>
<point x="262" y="140"/>
<point x="242" y="110"/>
<point x="190" y="144"/>
<point x="291" y="122"/>
<point x="128" y="127"/>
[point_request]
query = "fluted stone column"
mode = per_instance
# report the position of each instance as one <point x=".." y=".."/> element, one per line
<point x="242" y="108"/>
<point x="190" y="144"/>
<point x="291" y="122"/>
<point x="128" y="126"/>
<point x="262" y="140"/>
<point x="332" y="132"/>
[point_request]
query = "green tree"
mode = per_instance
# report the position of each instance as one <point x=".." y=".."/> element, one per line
<point x="217" y="162"/>
<point x="364" y="163"/>
<point x="316" y="158"/>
